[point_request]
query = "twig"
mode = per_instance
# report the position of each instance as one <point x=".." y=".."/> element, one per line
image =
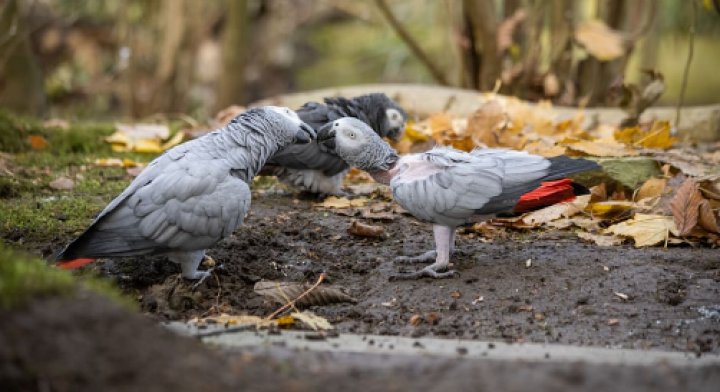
<point x="686" y="73"/>
<point x="301" y="296"/>
<point x="411" y="43"/>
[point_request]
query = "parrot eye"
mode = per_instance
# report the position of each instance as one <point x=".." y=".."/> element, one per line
<point x="351" y="135"/>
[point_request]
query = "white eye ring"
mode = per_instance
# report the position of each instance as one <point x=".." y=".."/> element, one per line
<point x="351" y="135"/>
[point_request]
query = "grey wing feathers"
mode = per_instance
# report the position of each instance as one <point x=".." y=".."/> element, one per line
<point x="458" y="185"/>
<point x="170" y="206"/>
<point x="309" y="156"/>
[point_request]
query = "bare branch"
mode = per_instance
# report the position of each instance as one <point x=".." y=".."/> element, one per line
<point x="435" y="71"/>
<point x="686" y="73"/>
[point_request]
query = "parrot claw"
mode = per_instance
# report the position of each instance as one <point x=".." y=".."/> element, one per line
<point x="423" y="258"/>
<point x="425" y="272"/>
<point x="202" y="276"/>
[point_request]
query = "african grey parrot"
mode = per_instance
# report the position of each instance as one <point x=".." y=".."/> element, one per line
<point x="445" y="186"/>
<point x="191" y="196"/>
<point x="317" y="169"/>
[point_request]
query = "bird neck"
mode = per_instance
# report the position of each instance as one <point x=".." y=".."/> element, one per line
<point x="247" y="151"/>
<point x="385" y="176"/>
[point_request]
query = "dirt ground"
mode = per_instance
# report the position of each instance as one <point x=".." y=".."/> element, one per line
<point x="572" y="292"/>
<point x="86" y="343"/>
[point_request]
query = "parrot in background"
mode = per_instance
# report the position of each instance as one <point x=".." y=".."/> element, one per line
<point x="191" y="196"/>
<point x="447" y="187"/>
<point x="316" y="168"/>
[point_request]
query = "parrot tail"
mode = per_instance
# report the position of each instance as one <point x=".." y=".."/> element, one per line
<point x="72" y="264"/>
<point x="549" y="193"/>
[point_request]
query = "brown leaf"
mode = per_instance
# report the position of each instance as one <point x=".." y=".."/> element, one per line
<point x="598" y="193"/>
<point x="485" y="124"/>
<point x="653" y="187"/>
<point x="364" y="230"/>
<point x="686" y="206"/>
<point x="283" y="292"/>
<point x="415" y="320"/>
<point x="37" y="142"/>
<point x="707" y="218"/>
<point x="600" y="41"/>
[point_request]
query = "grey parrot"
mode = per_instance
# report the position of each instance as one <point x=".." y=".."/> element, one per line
<point x="191" y="196"/>
<point x="445" y="186"/>
<point x="317" y="169"/>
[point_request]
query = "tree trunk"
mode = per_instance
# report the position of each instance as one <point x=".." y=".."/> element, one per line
<point x="483" y="19"/>
<point x="21" y="80"/>
<point x="231" y="88"/>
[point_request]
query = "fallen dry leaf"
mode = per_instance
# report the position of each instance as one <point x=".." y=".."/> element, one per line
<point x="653" y="187"/>
<point x="555" y="211"/>
<point x="645" y="229"/>
<point x="37" y="142"/>
<point x="116" y="162"/>
<point x="364" y="230"/>
<point x="234" y="320"/>
<point x="312" y="320"/>
<point x="613" y="322"/>
<point x="610" y="209"/>
<point x="599" y="40"/>
<point x="485" y="124"/>
<point x="601" y="240"/>
<point x="707" y="219"/>
<point x="658" y="136"/>
<point x="601" y="148"/>
<point x="598" y="193"/>
<point x="283" y="292"/>
<point x="685" y="206"/>
<point x="343" y="202"/>
<point x="415" y="320"/>
<point x="62" y="183"/>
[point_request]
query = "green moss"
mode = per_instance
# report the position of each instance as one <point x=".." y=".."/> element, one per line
<point x="23" y="277"/>
<point x="78" y="138"/>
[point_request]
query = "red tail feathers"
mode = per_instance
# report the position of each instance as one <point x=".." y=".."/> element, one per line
<point x="549" y="193"/>
<point x="72" y="264"/>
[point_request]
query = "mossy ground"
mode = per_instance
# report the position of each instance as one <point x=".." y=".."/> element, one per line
<point x="31" y="212"/>
<point x="38" y="218"/>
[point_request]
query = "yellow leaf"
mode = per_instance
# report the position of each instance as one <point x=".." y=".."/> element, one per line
<point x="599" y="40"/>
<point x="285" y="321"/>
<point x="658" y="136"/>
<point x="646" y="230"/>
<point x="116" y="162"/>
<point x="312" y="320"/>
<point x="173" y="141"/>
<point x="602" y="149"/>
<point x="343" y="202"/>
<point x="415" y="134"/>
<point x="235" y="320"/>
<point x="147" y="146"/>
<point x="609" y="209"/>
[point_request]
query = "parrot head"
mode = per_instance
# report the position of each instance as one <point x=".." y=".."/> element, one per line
<point x="357" y="144"/>
<point x="298" y="131"/>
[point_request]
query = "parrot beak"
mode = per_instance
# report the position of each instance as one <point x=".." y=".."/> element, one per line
<point x="326" y="136"/>
<point x="305" y="134"/>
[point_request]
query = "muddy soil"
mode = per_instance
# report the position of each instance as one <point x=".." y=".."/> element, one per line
<point x="572" y="292"/>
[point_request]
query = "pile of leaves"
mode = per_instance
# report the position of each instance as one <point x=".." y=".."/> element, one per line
<point x="650" y="190"/>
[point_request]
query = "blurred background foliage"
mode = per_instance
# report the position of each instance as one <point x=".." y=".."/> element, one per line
<point x="135" y="58"/>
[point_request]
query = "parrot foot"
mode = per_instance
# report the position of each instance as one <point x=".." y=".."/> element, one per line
<point x="423" y="258"/>
<point x="201" y="276"/>
<point x="425" y="272"/>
